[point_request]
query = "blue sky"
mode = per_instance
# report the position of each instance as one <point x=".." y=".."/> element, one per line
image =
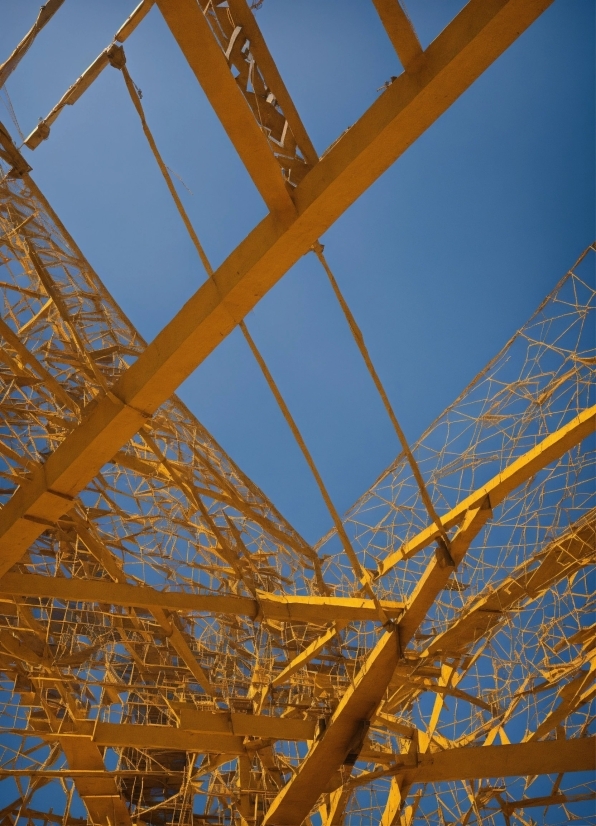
<point x="441" y="260"/>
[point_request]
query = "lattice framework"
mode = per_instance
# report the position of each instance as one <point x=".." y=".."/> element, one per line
<point x="171" y="650"/>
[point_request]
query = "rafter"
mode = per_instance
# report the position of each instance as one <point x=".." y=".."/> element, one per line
<point x="342" y="739"/>
<point x="112" y="55"/>
<point x="210" y="66"/>
<point x="401" y="33"/>
<point x="494" y="492"/>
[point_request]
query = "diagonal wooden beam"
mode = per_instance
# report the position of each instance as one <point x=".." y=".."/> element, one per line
<point x="477" y="36"/>
<point x="340" y="742"/>
<point x="401" y="33"/>
<point x="500" y="486"/>
<point x="47" y="11"/>
<point x="438" y="572"/>
<point x="517" y="760"/>
<point x="559" y="559"/>
<point x="309" y="653"/>
<point x="246" y="19"/>
<point x="96" y="787"/>
<point x="208" y="63"/>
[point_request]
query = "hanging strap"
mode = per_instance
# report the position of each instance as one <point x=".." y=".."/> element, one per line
<point x="135" y="97"/>
<point x="361" y="573"/>
<point x="359" y="339"/>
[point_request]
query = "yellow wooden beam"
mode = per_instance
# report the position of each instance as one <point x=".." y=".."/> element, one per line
<point x="287" y="608"/>
<point x="556" y="799"/>
<point x="47" y="11"/>
<point x="324" y="609"/>
<point x="474" y="39"/>
<point x="559" y="559"/>
<point x="309" y="653"/>
<point x="90" y="75"/>
<point x="358" y="705"/>
<point x="203" y="732"/>
<point x="518" y="760"/>
<point x="245" y="18"/>
<point x="494" y="492"/>
<point x="209" y="65"/>
<point x="401" y="33"/>
<point x="483" y="762"/>
<point x="438" y="572"/>
<point x="123" y="735"/>
<point x="183" y="649"/>
<point x="133" y="20"/>
<point x="121" y="593"/>
<point x="243" y="725"/>
<point x="99" y="793"/>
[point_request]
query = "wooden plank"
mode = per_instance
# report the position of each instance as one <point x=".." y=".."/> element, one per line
<point x="246" y="19"/>
<point x="517" y="760"/>
<point x="122" y="735"/>
<point x="209" y="65"/>
<point x="548" y="450"/>
<point x="243" y="725"/>
<point x="401" y="33"/>
<point x="358" y="705"/>
<point x="285" y="608"/>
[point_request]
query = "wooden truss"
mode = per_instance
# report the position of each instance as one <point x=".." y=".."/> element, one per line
<point x="172" y="651"/>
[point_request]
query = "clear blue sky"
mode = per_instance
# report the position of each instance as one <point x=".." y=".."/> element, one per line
<point x="441" y="260"/>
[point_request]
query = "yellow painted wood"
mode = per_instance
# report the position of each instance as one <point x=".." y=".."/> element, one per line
<point x="517" y="760"/>
<point x="401" y="32"/>
<point x="243" y="725"/>
<point x="548" y="450"/>
<point x="359" y="703"/>
<point x="209" y="65"/>
<point x="286" y="608"/>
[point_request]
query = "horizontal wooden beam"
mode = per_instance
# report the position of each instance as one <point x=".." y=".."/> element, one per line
<point x="112" y="53"/>
<point x="313" y="609"/>
<point x="243" y="725"/>
<point x="518" y="760"/>
<point x="129" y="735"/>
<point x="99" y="792"/>
<point x="474" y="39"/>
<point x="204" y="732"/>
<point x="325" y="609"/>
<point x="47" y="11"/>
